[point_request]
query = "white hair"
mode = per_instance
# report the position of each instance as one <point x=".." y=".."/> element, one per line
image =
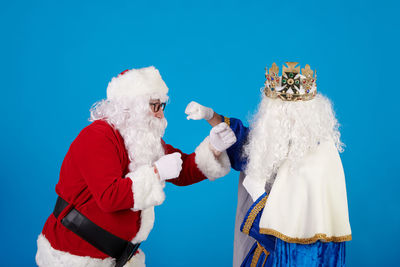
<point x="285" y="130"/>
<point x="141" y="131"/>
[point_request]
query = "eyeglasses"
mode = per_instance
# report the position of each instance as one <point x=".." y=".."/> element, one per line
<point x="155" y="107"/>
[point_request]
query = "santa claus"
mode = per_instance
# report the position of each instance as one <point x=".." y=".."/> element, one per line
<point x="114" y="174"/>
<point x="292" y="203"/>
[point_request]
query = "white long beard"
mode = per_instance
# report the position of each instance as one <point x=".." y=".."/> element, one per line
<point x="141" y="131"/>
<point x="284" y="130"/>
<point x="143" y="140"/>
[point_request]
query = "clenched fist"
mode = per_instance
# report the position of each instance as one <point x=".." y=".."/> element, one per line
<point x="195" y="111"/>
<point x="169" y="166"/>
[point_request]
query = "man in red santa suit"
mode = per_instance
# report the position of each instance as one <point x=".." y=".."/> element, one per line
<point x="114" y="174"/>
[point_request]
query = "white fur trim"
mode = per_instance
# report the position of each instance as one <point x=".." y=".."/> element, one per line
<point x="136" y="82"/>
<point x="146" y="187"/>
<point x="147" y="192"/>
<point x="47" y="256"/>
<point x="208" y="164"/>
<point x="147" y="218"/>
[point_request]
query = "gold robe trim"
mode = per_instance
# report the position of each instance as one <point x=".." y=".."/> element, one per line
<point x="253" y="214"/>
<point x="257" y="254"/>
<point x="310" y="240"/>
<point x="227" y="121"/>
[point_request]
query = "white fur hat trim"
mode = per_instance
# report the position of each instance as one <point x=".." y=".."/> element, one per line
<point x="136" y="82"/>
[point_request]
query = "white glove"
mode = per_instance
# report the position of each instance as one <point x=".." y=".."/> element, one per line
<point x="169" y="166"/>
<point x="198" y="112"/>
<point x="222" y="137"/>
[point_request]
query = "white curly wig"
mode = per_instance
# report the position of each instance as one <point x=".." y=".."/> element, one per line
<point x="285" y="130"/>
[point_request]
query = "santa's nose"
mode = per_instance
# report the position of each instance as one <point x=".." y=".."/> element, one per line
<point x="159" y="114"/>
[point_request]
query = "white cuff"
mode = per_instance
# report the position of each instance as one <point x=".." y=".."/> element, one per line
<point x="146" y="187"/>
<point x="147" y="218"/>
<point x="208" y="164"/>
<point x="255" y="187"/>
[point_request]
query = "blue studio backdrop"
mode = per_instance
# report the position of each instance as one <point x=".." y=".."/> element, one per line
<point x="57" y="58"/>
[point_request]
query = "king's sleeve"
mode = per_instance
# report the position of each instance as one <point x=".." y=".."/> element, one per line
<point x="235" y="152"/>
<point x="200" y="165"/>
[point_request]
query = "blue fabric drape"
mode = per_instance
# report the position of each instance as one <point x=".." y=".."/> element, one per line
<point x="281" y="253"/>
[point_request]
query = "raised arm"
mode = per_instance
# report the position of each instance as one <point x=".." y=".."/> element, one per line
<point x="195" y="111"/>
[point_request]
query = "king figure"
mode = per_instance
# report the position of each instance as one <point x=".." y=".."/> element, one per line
<point x="292" y="201"/>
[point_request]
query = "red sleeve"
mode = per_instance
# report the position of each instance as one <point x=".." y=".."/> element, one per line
<point x="98" y="160"/>
<point x="190" y="173"/>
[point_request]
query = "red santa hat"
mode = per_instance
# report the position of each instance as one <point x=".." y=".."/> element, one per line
<point x="137" y="82"/>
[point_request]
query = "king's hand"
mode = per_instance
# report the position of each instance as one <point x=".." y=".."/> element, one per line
<point x="222" y="137"/>
<point x="195" y="111"/>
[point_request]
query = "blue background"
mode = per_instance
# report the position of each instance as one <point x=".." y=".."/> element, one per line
<point x="57" y="58"/>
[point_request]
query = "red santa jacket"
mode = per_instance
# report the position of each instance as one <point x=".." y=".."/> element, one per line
<point x="92" y="180"/>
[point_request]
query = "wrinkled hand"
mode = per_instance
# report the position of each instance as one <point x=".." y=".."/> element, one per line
<point x="169" y="166"/>
<point x="195" y="111"/>
<point x="222" y="137"/>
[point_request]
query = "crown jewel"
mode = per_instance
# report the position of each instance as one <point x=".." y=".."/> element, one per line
<point x="292" y="85"/>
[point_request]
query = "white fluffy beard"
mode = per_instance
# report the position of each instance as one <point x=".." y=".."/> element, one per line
<point x="284" y="130"/>
<point x="143" y="140"/>
<point x="141" y="131"/>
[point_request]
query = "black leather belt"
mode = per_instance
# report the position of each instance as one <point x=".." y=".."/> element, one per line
<point x="101" y="239"/>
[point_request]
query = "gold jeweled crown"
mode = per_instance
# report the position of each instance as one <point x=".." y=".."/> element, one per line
<point x="292" y="85"/>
